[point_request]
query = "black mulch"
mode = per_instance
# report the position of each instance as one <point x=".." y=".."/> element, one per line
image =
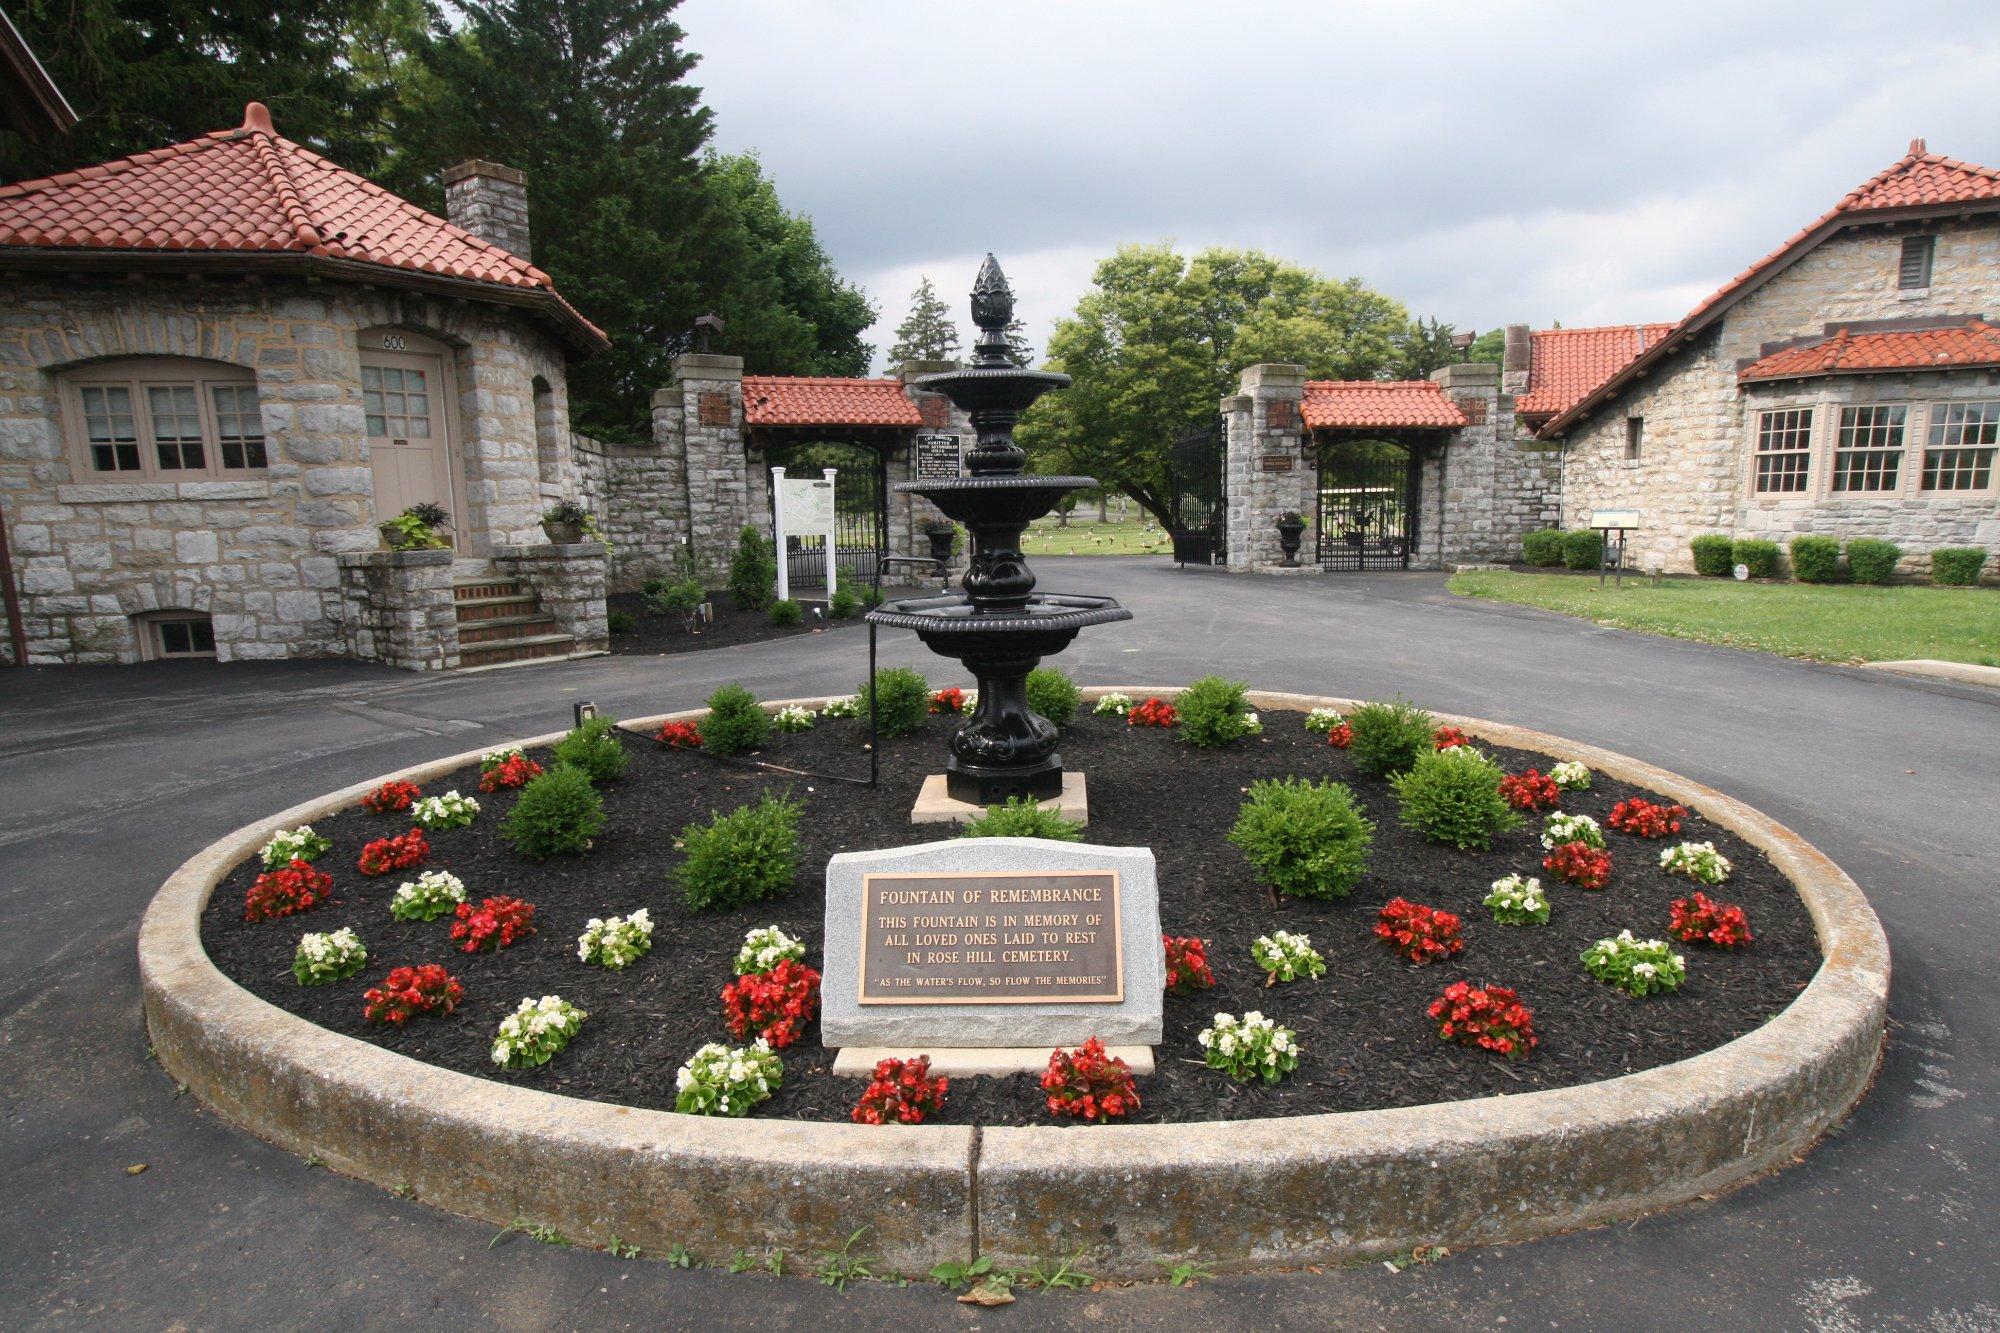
<point x="1367" y="1041"/>
<point x="654" y="634"/>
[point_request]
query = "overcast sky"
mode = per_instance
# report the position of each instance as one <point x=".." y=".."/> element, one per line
<point x="1482" y="161"/>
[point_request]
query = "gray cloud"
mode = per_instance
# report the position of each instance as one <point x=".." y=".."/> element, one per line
<point x="1578" y="161"/>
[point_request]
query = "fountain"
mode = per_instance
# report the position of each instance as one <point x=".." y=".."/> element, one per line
<point x="1000" y="627"/>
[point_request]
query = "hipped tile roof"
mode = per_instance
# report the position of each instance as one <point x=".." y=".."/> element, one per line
<point x="803" y="400"/>
<point x="1971" y="344"/>
<point x="1378" y="404"/>
<point x="1918" y="183"/>
<point x="1566" y="364"/>
<point x="251" y="190"/>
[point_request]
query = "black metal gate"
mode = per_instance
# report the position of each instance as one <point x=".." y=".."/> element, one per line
<point x="1367" y="504"/>
<point x="860" y="510"/>
<point x="1199" y="495"/>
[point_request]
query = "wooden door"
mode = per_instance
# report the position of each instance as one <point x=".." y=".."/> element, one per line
<point x="409" y="444"/>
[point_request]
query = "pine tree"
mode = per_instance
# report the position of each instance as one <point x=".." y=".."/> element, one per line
<point x="1017" y="343"/>
<point x="929" y="333"/>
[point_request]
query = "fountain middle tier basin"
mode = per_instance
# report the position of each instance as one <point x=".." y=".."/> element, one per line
<point x="1005" y="501"/>
<point x="1043" y="627"/>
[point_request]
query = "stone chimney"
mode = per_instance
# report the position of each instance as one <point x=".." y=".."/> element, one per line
<point x="491" y="202"/>
<point x="1514" y="359"/>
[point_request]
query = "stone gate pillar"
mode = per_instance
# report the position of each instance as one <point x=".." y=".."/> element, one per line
<point x="699" y="419"/>
<point x="1266" y="470"/>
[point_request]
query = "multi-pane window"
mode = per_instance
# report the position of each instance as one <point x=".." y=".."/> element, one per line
<point x="1914" y="269"/>
<point x="1870" y="454"/>
<point x="165" y="420"/>
<point x="397" y="402"/>
<point x="1958" y="455"/>
<point x="1784" y="450"/>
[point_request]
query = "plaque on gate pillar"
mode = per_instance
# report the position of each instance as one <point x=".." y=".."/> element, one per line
<point x="990" y="945"/>
<point x="939" y="457"/>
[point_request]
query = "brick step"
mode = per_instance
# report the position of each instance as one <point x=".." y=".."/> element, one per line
<point x="477" y="590"/>
<point x="526" y="648"/>
<point x="495" y="608"/>
<point x="494" y="629"/>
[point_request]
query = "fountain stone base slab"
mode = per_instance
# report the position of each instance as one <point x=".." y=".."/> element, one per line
<point x="936" y="805"/>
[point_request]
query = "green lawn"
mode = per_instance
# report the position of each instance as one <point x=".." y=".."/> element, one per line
<point x="1827" y="623"/>
<point x="1139" y="535"/>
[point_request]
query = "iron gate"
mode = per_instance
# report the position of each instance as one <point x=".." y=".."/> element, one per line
<point x="1367" y="504"/>
<point x="860" y="511"/>
<point x="1199" y="495"/>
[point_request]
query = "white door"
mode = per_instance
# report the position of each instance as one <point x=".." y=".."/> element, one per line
<point x="409" y="445"/>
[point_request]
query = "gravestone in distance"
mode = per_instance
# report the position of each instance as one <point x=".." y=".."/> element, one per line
<point x="988" y="953"/>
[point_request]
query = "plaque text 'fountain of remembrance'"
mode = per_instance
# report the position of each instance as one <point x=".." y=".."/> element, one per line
<point x="1000" y="627"/>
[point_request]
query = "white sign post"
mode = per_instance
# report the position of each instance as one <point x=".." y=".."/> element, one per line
<point x="802" y="507"/>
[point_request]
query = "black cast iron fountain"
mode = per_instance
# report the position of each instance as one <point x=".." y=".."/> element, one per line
<point x="999" y="627"/>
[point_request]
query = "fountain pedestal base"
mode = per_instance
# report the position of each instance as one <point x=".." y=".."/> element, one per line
<point x="936" y="805"/>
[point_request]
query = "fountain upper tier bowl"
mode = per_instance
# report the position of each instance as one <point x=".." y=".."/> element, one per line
<point x="1003" y="499"/>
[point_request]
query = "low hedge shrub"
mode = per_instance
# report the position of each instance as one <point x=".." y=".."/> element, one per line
<point x="1583" y="549"/>
<point x="747" y="855"/>
<point x="1760" y="555"/>
<point x="787" y="612"/>
<point x="1543" y="547"/>
<point x="557" y="814"/>
<point x="1713" y="554"/>
<point x="1022" y="818"/>
<point x="1816" y="559"/>
<point x="1957" y="566"/>
<point x="1214" y="712"/>
<point x="1387" y="738"/>
<point x="1304" y="839"/>
<point x="594" y="750"/>
<point x="735" y="721"/>
<point x="901" y="699"/>
<point x="1872" y="560"/>
<point x="1453" y="796"/>
<point x="1054" y="695"/>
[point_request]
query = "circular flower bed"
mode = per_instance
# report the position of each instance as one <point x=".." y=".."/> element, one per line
<point x="1363" y="1031"/>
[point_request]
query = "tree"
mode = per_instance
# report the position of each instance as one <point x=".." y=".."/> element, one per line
<point x="1489" y="347"/>
<point x="928" y="333"/>
<point x="146" y="73"/>
<point x="1160" y="338"/>
<point x="1426" y="346"/>
<point x="1018" y="348"/>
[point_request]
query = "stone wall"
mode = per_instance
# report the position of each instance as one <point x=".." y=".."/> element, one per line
<point x="260" y="554"/>
<point x="1261" y="421"/>
<point x="398" y="609"/>
<point x="1692" y="473"/>
<point x="1494" y="490"/>
<point x="701" y="481"/>
<point x="569" y="584"/>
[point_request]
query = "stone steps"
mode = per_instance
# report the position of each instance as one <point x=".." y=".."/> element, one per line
<point x="500" y="624"/>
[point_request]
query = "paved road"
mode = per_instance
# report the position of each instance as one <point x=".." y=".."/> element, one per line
<point x="110" y="777"/>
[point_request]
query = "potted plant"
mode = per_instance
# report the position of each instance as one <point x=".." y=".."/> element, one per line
<point x="417" y="529"/>
<point x="1291" y="528"/>
<point x="566" y="522"/>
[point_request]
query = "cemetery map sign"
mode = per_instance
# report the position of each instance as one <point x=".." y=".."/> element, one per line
<point x="991" y="937"/>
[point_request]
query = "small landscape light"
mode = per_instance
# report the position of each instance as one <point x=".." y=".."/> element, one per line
<point x="585" y="712"/>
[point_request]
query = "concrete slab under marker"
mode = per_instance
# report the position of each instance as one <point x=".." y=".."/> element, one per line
<point x="935" y="806"/>
<point x="970" y="1061"/>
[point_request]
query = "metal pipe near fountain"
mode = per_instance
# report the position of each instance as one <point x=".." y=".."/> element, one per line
<point x="999" y="627"/>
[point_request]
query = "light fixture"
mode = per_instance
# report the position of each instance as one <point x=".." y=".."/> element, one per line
<point x="585" y="712"/>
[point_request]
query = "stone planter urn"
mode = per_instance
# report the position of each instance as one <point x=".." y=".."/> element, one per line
<point x="391" y="534"/>
<point x="562" y="534"/>
<point x="1291" y="529"/>
<point x="940" y="538"/>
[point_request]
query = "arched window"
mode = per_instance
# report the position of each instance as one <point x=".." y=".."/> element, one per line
<point x="162" y="419"/>
<point x="548" y="438"/>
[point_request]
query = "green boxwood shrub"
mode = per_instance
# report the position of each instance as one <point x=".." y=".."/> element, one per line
<point x="1760" y="555"/>
<point x="1022" y="818"/>
<point x="742" y="857"/>
<point x="1304" y="839"/>
<point x="1054" y="695"/>
<point x="787" y="612"/>
<point x="753" y="570"/>
<point x="1816" y="559"/>
<point x="1214" y="712"/>
<point x="1388" y="737"/>
<point x="1583" y="549"/>
<point x="619" y="622"/>
<point x="1871" y="560"/>
<point x="1543" y="547"/>
<point x="902" y="700"/>
<point x="1453" y="796"/>
<point x="1712" y="554"/>
<point x="557" y="814"/>
<point x="843" y="603"/>
<point x="735" y="721"/>
<point x="594" y="750"/>
<point x="1956" y="566"/>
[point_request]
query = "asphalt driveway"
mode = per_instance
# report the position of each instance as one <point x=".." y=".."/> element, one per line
<point x="109" y="777"/>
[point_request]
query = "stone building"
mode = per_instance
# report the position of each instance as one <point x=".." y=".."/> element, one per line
<point x="1848" y="384"/>
<point x="223" y="363"/>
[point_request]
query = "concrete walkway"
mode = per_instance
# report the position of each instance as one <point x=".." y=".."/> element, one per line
<point x="110" y="777"/>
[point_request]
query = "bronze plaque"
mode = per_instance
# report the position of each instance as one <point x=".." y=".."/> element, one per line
<point x="1277" y="462"/>
<point x="991" y="937"/>
<point x="712" y="408"/>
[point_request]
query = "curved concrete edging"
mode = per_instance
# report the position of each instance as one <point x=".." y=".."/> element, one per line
<point x="1242" y="1194"/>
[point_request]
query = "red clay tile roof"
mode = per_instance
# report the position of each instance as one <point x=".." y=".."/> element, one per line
<point x="804" y="400"/>
<point x="1383" y="404"/>
<point x="1917" y="183"/>
<point x="1966" y="345"/>
<point x="252" y="190"/>
<point x="1566" y="364"/>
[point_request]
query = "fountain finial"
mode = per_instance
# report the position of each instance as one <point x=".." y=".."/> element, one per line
<point x="992" y="311"/>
